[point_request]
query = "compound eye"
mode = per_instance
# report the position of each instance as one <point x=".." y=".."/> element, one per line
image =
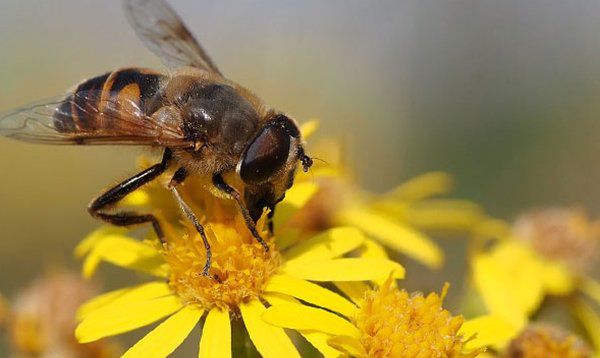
<point x="266" y="155"/>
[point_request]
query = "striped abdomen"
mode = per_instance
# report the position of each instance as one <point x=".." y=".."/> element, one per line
<point x="107" y="102"/>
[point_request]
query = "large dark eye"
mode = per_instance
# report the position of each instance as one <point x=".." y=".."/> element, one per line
<point x="266" y="155"/>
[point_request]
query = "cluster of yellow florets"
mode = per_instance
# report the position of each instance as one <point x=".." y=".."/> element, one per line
<point x="395" y="324"/>
<point x="240" y="265"/>
<point x="547" y="341"/>
<point x="41" y="323"/>
<point x="563" y="234"/>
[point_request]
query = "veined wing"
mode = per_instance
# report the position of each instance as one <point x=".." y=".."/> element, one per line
<point x="164" y="33"/>
<point x="86" y="117"/>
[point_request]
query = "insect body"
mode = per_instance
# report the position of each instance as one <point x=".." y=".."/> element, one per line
<point x="208" y="125"/>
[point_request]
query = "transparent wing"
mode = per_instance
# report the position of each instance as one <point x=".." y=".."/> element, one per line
<point x="87" y="118"/>
<point x="163" y="32"/>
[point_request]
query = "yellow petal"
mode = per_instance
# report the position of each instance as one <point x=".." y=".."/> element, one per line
<point x="319" y="341"/>
<point x="130" y="295"/>
<point x="510" y="280"/>
<point x="590" y="320"/>
<point x="167" y="336"/>
<point x="88" y="243"/>
<point x="276" y="298"/>
<point x="349" y="345"/>
<point x="125" y="252"/>
<point x="325" y="171"/>
<point x="216" y="335"/>
<point x="328" y="244"/>
<point x="487" y="355"/>
<point x="423" y="186"/>
<point x="298" y="195"/>
<point x="309" y="128"/>
<point x="488" y="331"/>
<point x="270" y="341"/>
<point x="310" y="293"/>
<point x="287" y="237"/>
<point x="118" y="318"/>
<point x="591" y="288"/>
<point x="372" y="250"/>
<point x="444" y="214"/>
<point x="557" y="278"/>
<point x="304" y="318"/>
<point x="347" y="269"/>
<point x="489" y="229"/>
<point x="99" y="301"/>
<point x="295" y="198"/>
<point x="355" y="290"/>
<point x="395" y="235"/>
<point x="139" y="197"/>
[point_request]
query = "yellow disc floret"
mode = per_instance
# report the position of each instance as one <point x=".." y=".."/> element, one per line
<point x="564" y="234"/>
<point x="240" y="265"/>
<point x="42" y="319"/>
<point x="394" y="323"/>
<point x="543" y="341"/>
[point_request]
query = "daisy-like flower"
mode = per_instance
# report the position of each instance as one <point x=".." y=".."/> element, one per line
<point x="545" y="340"/>
<point x="41" y="319"/>
<point x="546" y="252"/>
<point x="389" y="322"/>
<point x="246" y="278"/>
<point x="566" y="235"/>
<point x="396" y="219"/>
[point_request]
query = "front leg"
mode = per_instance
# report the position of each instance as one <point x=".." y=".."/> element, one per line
<point x="177" y="179"/>
<point x="220" y="184"/>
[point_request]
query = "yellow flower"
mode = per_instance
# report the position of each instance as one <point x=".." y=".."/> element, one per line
<point x="546" y="252"/>
<point x="561" y="234"/>
<point x="543" y="340"/>
<point x="245" y="277"/>
<point x="41" y="320"/>
<point x="389" y="322"/>
<point x="395" y="219"/>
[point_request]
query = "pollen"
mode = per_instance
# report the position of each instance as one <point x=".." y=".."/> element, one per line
<point x="394" y="323"/>
<point x="563" y="234"/>
<point x="542" y="340"/>
<point x="240" y="265"/>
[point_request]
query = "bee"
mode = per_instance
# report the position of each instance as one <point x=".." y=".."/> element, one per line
<point x="207" y="126"/>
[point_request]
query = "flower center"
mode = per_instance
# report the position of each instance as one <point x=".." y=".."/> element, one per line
<point x="395" y="324"/>
<point x="561" y="234"/>
<point x="547" y="341"/>
<point x="42" y="319"/>
<point x="240" y="266"/>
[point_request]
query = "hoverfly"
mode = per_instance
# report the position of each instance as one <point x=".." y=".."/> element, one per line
<point x="208" y="125"/>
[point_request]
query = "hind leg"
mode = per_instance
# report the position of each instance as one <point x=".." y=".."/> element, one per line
<point x="115" y="194"/>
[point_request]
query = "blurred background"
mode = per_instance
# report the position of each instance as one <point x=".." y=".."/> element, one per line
<point x="503" y="95"/>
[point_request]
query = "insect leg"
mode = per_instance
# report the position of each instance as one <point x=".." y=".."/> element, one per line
<point x="177" y="179"/>
<point x="118" y="192"/>
<point x="220" y="184"/>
